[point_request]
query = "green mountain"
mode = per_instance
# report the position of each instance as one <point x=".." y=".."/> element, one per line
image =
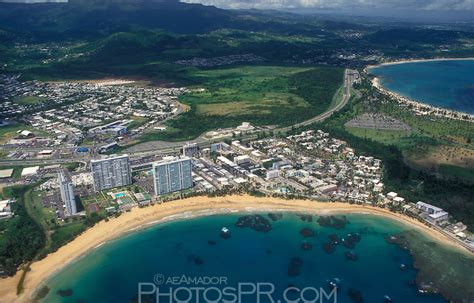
<point x="89" y="18"/>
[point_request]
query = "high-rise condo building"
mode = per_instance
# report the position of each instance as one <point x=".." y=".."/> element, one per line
<point x="171" y="175"/>
<point x="111" y="172"/>
<point x="67" y="192"/>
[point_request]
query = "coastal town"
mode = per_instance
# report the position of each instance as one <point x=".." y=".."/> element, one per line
<point x="70" y="125"/>
<point x="236" y="151"/>
<point x="67" y="114"/>
<point x="309" y="165"/>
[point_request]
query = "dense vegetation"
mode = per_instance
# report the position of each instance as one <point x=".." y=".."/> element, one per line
<point x="21" y="237"/>
<point x="92" y="38"/>
<point x="33" y="232"/>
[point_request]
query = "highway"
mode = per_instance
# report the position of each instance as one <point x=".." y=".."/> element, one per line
<point x="163" y="147"/>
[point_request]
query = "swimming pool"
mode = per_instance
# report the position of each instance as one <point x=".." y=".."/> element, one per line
<point x="119" y="195"/>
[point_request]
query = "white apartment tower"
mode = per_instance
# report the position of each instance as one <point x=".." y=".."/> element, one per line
<point x="111" y="172"/>
<point x="67" y="192"/>
<point x="171" y="175"/>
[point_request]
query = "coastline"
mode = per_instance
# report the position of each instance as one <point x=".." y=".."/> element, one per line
<point x="417" y="106"/>
<point x="140" y="218"/>
<point x="416" y="61"/>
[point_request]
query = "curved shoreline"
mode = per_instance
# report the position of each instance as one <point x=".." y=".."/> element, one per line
<point x="418" y="61"/>
<point x="140" y="218"/>
<point x="423" y="108"/>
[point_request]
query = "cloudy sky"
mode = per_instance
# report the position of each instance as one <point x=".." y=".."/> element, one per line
<point x="343" y="4"/>
<point x="408" y="10"/>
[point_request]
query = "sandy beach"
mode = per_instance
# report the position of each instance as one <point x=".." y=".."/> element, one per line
<point x="198" y="206"/>
<point x="415" y="61"/>
<point x="444" y="112"/>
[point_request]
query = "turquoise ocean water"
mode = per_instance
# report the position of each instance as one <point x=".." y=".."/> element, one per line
<point x="448" y="84"/>
<point x="194" y="248"/>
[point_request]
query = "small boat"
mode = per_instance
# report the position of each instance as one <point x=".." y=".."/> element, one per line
<point x="387" y="299"/>
<point x="334" y="283"/>
<point x="225" y="233"/>
<point x="403" y="267"/>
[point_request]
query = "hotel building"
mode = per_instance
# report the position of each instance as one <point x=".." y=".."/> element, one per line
<point x="171" y="175"/>
<point x="67" y="192"/>
<point x="111" y="172"/>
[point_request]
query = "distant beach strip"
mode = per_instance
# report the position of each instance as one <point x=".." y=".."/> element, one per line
<point x="440" y="87"/>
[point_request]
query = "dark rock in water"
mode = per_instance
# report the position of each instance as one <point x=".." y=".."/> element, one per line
<point x="352" y="256"/>
<point x="306" y="246"/>
<point x="268" y="251"/>
<point x="143" y="299"/>
<point x="355" y="295"/>
<point x="195" y="259"/>
<point x="305" y="217"/>
<point x="292" y="294"/>
<point x="65" y="293"/>
<point x="334" y="239"/>
<point x="211" y="242"/>
<point x="43" y="292"/>
<point x="275" y="216"/>
<point x="333" y="221"/>
<point x="329" y="247"/>
<point x="392" y="239"/>
<point x="411" y="283"/>
<point x="294" y="268"/>
<point x="351" y="240"/>
<point x="307" y="232"/>
<point x="255" y="222"/>
<point x="225" y="233"/>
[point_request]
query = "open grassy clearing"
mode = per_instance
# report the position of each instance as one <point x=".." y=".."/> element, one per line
<point x="432" y="143"/>
<point x="8" y="132"/>
<point x="262" y="95"/>
<point x="431" y="157"/>
<point x="457" y="172"/>
<point x="262" y="86"/>
<point x="381" y="135"/>
<point x="28" y="100"/>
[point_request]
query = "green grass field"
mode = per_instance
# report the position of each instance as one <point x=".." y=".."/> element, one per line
<point x="65" y="233"/>
<point x="28" y="100"/>
<point x="262" y="95"/>
<point x="457" y="172"/>
<point x="34" y="205"/>
<point x="436" y="144"/>
<point x="383" y="136"/>
<point x="8" y="132"/>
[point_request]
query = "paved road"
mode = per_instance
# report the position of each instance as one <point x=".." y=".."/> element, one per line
<point x="348" y="81"/>
<point x="163" y="147"/>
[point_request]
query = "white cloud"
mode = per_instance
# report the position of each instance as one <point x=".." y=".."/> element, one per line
<point x="320" y="4"/>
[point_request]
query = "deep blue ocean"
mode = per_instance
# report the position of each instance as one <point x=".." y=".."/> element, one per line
<point x="448" y="84"/>
<point x="195" y="248"/>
